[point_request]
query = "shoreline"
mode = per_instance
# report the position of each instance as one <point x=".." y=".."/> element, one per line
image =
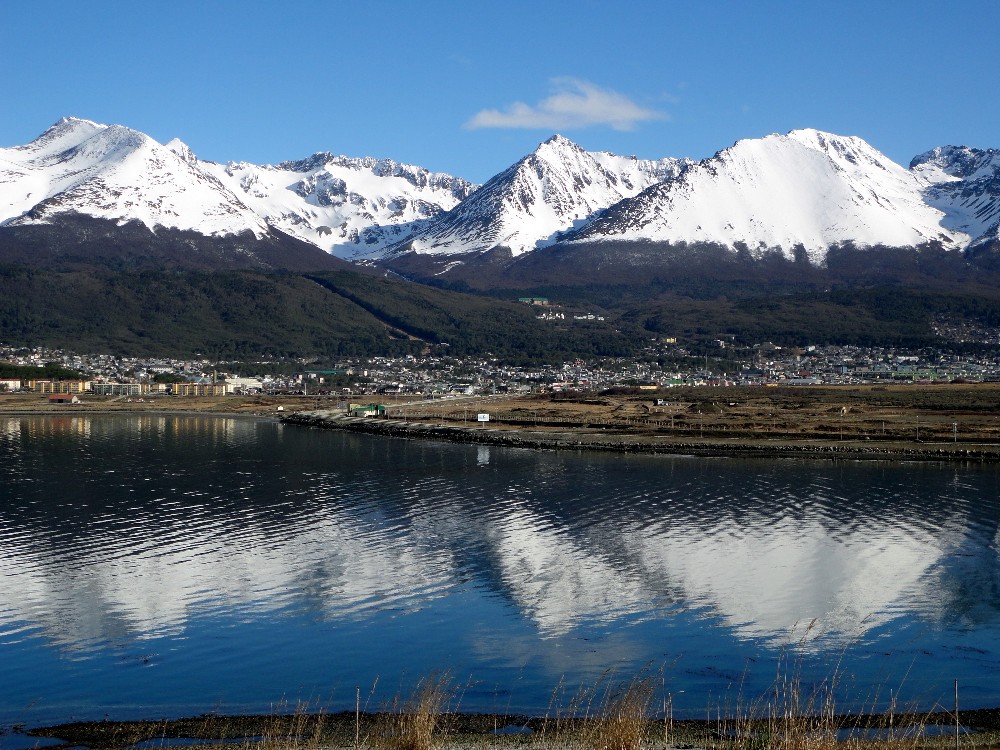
<point x="954" y="423"/>
<point x="561" y="438"/>
<point x="623" y="442"/>
<point x="459" y="729"/>
<point x="139" y="413"/>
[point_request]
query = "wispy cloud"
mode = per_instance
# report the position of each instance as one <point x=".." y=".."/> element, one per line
<point x="573" y="104"/>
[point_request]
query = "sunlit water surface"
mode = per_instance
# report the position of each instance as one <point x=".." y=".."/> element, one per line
<point x="155" y="566"/>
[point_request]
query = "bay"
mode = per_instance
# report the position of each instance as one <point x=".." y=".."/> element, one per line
<point x="159" y="566"/>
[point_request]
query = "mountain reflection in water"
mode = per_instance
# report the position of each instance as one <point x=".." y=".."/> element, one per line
<point x="146" y="539"/>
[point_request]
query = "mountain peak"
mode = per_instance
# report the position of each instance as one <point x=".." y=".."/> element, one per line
<point x="558" y="144"/>
<point x="75" y="122"/>
<point x="67" y="126"/>
<point x="814" y="135"/>
<point x="811" y="149"/>
<point x="558" y="140"/>
<point x="533" y="202"/>
<point x="62" y="135"/>
<point x="112" y="172"/>
<point x="843" y="146"/>
<point x="182" y="150"/>
<point x="962" y="183"/>
<point x="961" y="162"/>
<point x="807" y="188"/>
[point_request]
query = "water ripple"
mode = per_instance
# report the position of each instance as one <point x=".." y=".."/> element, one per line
<point x="235" y="525"/>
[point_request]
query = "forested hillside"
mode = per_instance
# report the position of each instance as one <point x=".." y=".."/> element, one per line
<point x="244" y="314"/>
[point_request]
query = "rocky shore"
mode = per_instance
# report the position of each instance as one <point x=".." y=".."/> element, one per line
<point x="623" y="442"/>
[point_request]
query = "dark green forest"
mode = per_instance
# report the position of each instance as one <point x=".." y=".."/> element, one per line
<point x="874" y="316"/>
<point x="159" y="302"/>
<point x="244" y="315"/>
<point x="48" y="371"/>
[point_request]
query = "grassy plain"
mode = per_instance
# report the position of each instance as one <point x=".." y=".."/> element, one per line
<point x="948" y="416"/>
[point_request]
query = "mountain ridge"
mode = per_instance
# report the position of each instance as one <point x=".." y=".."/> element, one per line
<point x="529" y="204"/>
<point x="805" y="191"/>
<point x="806" y="188"/>
<point x="113" y="172"/>
<point x="800" y="195"/>
<point x="78" y="166"/>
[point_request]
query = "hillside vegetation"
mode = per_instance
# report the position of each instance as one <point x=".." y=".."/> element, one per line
<point x="148" y="298"/>
<point x="244" y="314"/>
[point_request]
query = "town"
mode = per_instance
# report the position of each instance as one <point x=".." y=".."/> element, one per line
<point x="665" y="364"/>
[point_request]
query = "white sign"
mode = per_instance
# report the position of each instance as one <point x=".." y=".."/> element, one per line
<point x="483" y="417"/>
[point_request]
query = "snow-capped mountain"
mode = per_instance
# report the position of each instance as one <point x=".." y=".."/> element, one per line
<point x="965" y="185"/>
<point x="806" y="188"/>
<point x="552" y="190"/>
<point x="116" y="173"/>
<point x="349" y="207"/>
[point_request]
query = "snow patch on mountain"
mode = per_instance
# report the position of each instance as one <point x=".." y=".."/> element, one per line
<point x="529" y="205"/>
<point x="350" y="207"/>
<point x="807" y="188"/>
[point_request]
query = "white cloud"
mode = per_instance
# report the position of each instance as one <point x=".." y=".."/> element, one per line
<point x="573" y="104"/>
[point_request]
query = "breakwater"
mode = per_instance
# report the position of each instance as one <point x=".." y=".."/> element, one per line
<point x="624" y="442"/>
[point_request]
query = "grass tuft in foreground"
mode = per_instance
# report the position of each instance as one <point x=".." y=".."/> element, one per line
<point x="611" y="715"/>
<point x="411" y="724"/>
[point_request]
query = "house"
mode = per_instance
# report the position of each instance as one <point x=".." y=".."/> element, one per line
<point x="63" y="398"/>
<point x="244" y="385"/>
<point x="366" y="410"/>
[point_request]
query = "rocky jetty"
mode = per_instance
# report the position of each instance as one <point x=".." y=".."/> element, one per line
<point x="624" y="442"/>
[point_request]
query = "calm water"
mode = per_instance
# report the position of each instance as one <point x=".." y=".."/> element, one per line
<point x="158" y="566"/>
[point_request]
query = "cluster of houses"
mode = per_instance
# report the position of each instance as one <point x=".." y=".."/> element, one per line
<point x="664" y="364"/>
<point x="554" y="312"/>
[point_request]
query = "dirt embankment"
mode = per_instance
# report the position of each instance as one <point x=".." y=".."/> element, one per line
<point x="955" y="422"/>
<point x="30" y="403"/>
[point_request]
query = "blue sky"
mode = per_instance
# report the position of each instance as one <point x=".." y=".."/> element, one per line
<point x="470" y="87"/>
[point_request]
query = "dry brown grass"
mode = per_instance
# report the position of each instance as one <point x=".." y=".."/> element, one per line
<point x="634" y="714"/>
<point x="905" y="414"/>
<point x="622" y="721"/>
<point x="303" y="730"/>
<point x="610" y="715"/>
<point x="411" y="723"/>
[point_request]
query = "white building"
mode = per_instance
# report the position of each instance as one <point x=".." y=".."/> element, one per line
<point x="244" y="385"/>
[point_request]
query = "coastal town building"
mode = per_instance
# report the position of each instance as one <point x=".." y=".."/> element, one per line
<point x="63" y="398"/>
<point x="59" y="386"/>
<point x="199" y="389"/>
<point x="117" y="389"/>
